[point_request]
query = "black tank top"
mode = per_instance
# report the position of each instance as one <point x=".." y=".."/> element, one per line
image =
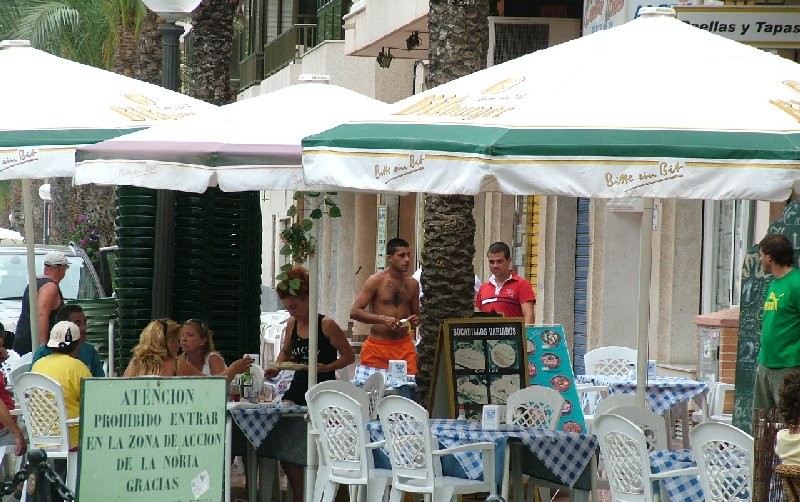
<point x="22" y="336"/>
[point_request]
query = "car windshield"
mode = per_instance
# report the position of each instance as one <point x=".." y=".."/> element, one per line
<point x="77" y="282"/>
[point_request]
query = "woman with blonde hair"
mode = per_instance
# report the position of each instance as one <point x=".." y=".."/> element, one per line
<point x="197" y="346"/>
<point x="157" y="354"/>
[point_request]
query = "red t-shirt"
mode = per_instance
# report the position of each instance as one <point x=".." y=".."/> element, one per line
<point x="508" y="298"/>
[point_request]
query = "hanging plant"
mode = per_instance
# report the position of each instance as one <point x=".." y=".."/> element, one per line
<point x="297" y="240"/>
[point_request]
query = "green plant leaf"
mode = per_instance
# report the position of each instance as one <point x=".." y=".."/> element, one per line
<point x="286" y="250"/>
<point x="307" y="225"/>
<point x="313" y="194"/>
<point x="294" y="284"/>
<point x="329" y="201"/>
<point x="316" y="214"/>
<point x="292" y="211"/>
<point x="334" y="212"/>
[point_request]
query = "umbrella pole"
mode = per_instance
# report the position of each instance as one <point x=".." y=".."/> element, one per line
<point x="27" y="211"/>
<point x="645" y="262"/>
<point x="313" y="309"/>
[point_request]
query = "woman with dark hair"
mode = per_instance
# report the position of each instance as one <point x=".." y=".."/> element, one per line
<point x="787" y="446"/>
<point x="333" y="352"/>
<point x="157" y="354"/>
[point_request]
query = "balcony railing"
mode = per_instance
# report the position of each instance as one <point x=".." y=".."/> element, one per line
<point x="251" y="70"/>
<point x="288" y="47"/>
<point x="329" y="19"/>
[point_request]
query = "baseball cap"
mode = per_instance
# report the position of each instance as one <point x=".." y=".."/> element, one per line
<point x="55" y="259"/>
<point x="63" y="333"/>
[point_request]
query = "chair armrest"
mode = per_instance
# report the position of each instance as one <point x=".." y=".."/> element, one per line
<point x="486" y="445"/>
<point x="688" y="471"/>
<point x="376" y="444"/>
<point x="313" y="432"/>
<point x="75" y="420"/>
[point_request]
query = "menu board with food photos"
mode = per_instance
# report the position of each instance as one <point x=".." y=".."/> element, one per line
<point x="549" y="365"/>
<point x="483" y="361"/>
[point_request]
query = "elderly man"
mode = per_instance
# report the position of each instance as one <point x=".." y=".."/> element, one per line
<point x="49" y="300"/>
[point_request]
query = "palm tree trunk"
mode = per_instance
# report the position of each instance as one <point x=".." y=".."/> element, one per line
<point x="209" y="63"/>
<point x="458" y="43"/>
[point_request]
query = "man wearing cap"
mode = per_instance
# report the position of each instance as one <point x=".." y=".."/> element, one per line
<point x="87" y="354"/>
<point x="63" y="367"/>
<point x="49" y="300"/>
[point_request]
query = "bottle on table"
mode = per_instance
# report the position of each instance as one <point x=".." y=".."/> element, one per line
<point x="247" y="387"/>
<point x="462" y="413"/>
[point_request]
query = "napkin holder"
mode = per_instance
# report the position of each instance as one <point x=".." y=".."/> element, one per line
<point x="493" y="416"/>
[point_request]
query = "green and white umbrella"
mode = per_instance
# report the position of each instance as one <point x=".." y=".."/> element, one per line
<point x="652" y="108"/>
<point x="50" y="106"/>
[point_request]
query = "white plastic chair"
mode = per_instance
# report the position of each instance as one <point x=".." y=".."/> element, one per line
<point x="716" y="402"/>
<point x="374" y="386"/>
<point x="651" y="423"/>
<point x="16" y="372"/>
<point x="534" y="407"/>
<point x="589" y="396"/>
<point x="26" y="358"/>
<point x="416" y="463"/>
<point x="627" y="460"/>
<point x="611" y="360"/>
<point x="340" y="420"/>
<point x="45" y="415"/>
<point x="724" y="456"/>
<point x="611" y="402"/>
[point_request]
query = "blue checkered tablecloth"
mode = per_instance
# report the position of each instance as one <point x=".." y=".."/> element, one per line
<point x="683" y="488"/>
<point x="662" y="392"/>
<point x="256" y="422"/>
<point x="565" y="454"/>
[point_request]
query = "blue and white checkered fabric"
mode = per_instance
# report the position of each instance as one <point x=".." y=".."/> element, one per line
<point x="662" y="392"/>
<point x="363" y="372"/>
<point x="565" y="454"/>
<point x="257" y="422"/>
<point x="683" y="488"/>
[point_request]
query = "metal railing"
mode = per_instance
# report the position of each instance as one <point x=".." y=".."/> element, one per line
<point x="288" y="46"/>
<point x="251" y="70"/>
<point x="329" y="19"/>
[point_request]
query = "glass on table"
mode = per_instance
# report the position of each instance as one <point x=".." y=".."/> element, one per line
<point x="235" y="392"/>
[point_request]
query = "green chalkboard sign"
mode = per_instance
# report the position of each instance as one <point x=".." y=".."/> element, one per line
<point x="751" y="305"/>
<point x="154" y="439"/>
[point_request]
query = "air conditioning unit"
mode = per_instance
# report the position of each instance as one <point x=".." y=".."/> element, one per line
<point x="512" y="37"/>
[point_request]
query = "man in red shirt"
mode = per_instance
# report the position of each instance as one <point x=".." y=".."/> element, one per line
<point x="505" y="292"/>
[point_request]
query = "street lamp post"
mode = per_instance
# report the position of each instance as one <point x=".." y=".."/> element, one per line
<point x="46" y="196"/>
<point x="163" y="251"/>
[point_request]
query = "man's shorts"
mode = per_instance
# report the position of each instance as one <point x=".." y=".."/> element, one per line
<point x="377" y="352"/>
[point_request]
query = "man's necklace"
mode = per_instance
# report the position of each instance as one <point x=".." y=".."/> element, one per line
<point x="397" y="293"/>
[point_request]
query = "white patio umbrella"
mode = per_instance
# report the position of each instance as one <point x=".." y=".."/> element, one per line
<point x="8" y="236"/>
<point x="253" y="144"/>
<point x="652" y="108"/>
<point x="51" y="105"/>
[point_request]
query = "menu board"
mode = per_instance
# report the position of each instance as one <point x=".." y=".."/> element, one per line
<point x="549" y="365"/>
<point x="483" y="360"/>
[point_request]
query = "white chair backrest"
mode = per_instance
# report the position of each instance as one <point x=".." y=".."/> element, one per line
<point x="651" y="423"/>
<point x="625" y="454"/>
<point x="724" y="456"/>
<point x="611" y="402"/>
<point x="16" y="372"/>
<point x="23" y="359"/>
<point x="42" y="401"/>
<point x="341" y="421"/>
<point x="589" y="396"/>
<point x="342" y="386"/>
<point x="611" y="360"/>
<point x="409" y="440"/>
<point x="374" y="386"/>
<point x="535" y="406"/>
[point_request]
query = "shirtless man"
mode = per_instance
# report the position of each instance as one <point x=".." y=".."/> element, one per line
<point x="389" y="303"/>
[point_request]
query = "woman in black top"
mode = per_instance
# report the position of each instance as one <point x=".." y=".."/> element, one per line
<point x="331" y="340"/>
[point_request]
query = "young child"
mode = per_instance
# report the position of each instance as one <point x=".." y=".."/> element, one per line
<point x="787" y="446"/>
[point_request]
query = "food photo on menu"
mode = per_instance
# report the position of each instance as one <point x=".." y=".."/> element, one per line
<point x="470" y="355"/>
<point x="502" y="354"/>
